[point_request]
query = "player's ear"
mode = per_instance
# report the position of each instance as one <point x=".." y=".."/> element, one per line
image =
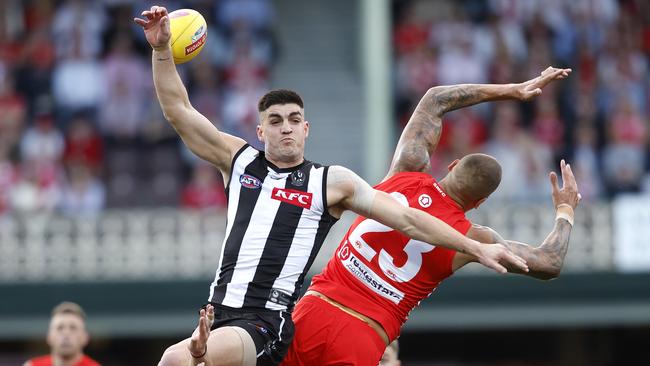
<point x="306" y="129"/>
<point x="260" y="133"/>
<point x="452" y="165"/>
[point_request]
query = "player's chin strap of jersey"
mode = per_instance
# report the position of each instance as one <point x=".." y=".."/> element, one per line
<point x="564" y="211"/>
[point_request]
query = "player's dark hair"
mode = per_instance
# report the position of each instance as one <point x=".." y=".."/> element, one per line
<point x="279" y="96"/>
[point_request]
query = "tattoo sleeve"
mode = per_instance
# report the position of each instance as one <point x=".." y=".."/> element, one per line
<point x="546" y="261"/>
<point x="422" y="133"/>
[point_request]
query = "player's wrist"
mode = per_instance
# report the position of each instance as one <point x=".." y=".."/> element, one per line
<point x="564" y="211"/>
<point x="473" y="248"/>
<point x="515" y="90"/>
<point x="205" y="350"/>
<point x="162" y="48"/>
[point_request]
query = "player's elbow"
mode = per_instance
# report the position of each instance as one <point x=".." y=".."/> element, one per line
<point x="174" y="113"/>
<point x="547" y="275"/>
<point x="433" y="96"/>
<point x="546" y="272"/>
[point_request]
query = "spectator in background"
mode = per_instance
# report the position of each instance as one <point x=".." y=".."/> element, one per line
<point x="67" y="337"/>
<point x="128" y="88"/>
<point x="34" y="70"/>
<point x="391" y="355"/>
<point x="77" y="28"/>
<point x="205" y="191"/>
<point x="13" y="107"/>
<point x="43" y="141"/>
<point x="8" y="175"/>
<point x="83" y="145"/>
<point x="624" y="155"/>
<point x="77" y="81"/>
<point x="37" y="188"/>
<point x="585" y="161"/>
<point x="548" y="128"/>
<point x="82" y="193"/>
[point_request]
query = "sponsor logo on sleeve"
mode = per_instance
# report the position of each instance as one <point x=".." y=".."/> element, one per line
<point x="249" y="181"/>
<point x="291" y="196"/>
<point x="368" y="277"/>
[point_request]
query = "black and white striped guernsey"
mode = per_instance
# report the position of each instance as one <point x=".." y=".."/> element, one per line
<point x="277" y="222"/>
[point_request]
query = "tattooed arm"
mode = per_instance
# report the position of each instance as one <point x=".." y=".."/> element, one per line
<point x="545" y="261"/>
<point x="422" y="132"/>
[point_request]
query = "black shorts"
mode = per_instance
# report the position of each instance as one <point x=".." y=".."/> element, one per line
<point x="272" y="331"/>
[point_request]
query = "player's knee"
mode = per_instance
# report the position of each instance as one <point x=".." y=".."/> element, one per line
<point x="173" y="356"/>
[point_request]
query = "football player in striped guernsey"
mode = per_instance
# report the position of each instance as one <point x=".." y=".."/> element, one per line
<point x="280" y="208"/>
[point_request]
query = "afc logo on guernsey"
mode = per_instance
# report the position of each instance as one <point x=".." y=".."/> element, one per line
<point x="291" y="196"/>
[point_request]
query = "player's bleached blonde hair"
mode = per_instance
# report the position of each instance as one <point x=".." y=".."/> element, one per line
<point x="68" y="307"/>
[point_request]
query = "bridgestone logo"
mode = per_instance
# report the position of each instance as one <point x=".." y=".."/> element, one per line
<point x="371" y="279"/>
<point x="194" y="46"/>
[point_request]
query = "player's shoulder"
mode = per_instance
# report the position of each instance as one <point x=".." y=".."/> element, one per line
<point x="406" y="179"/>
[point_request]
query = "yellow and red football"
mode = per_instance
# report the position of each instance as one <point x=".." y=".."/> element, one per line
<point x="189" y="32"/>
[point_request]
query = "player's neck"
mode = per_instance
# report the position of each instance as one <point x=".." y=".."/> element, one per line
<point x="455" y="196"/>
<point x="60" y="361"/>
<point x="284" y="163"/>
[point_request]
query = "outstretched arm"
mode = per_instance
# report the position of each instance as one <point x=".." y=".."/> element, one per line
<point x="422" y="132"/>
<point x="545" y="261"/>
<point x="197" y="132"/>
<point x="347" y="191"/>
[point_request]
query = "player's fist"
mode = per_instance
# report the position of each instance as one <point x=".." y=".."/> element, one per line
<point x="156" y="27"/>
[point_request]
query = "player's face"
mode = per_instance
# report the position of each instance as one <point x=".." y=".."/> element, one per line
<point x="389" y="358"/>
<point x="67" y="335"/>
<point x="283" y="131"/>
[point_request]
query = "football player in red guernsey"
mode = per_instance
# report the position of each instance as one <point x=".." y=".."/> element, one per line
<point x="66" y="337"/>
<point x="357" y="305"/>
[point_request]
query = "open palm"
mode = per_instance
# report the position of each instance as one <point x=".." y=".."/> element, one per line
<point x="156" y="26"/>
<point x="532" y="88"/>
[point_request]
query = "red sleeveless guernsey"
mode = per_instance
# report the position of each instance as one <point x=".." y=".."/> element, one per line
<point x="47" y="361"/>
<point x="381" y="272"/>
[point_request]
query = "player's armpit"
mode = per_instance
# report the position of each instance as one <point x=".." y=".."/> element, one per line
<point x="205" y="140"/>
<point x="347" y="191"/>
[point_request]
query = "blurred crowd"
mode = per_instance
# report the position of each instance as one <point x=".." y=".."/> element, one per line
<point x="597" y="119"/>
<point x="81" y="129"/>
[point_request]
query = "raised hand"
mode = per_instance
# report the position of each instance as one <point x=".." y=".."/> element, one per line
<point x="199" y="341"/>
<point x="498" y="257"/>
<point x="568" y="194"/>
<point x="530" y="89"/>
<point x="156" y="27"/>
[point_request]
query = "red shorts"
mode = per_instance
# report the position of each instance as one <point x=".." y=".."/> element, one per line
<point x="326" y="335"/>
